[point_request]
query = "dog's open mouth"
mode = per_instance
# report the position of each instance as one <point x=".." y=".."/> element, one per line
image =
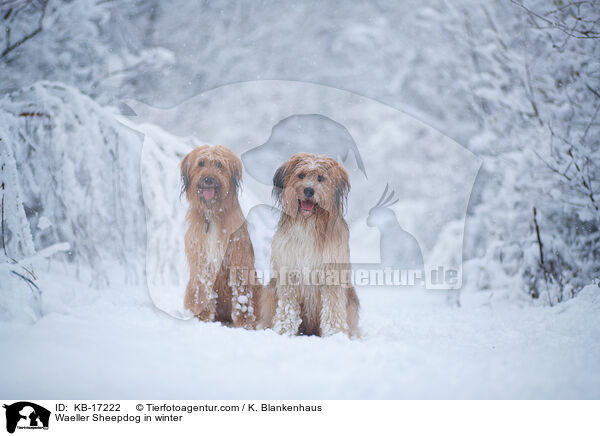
<point x="208" y="193"/>
<point x="307" y="205"/>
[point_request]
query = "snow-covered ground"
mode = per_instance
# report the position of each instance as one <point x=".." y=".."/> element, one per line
<point x="93" y="337"/>
<point x="114" y="343"/>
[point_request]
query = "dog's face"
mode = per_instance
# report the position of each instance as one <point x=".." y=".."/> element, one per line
<point x="308" y="186"/>
<point x="210" y="175"/>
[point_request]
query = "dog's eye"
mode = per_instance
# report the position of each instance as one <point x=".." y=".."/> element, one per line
<point x="201" y="163"/>
<point x="301" y="175"/>
<point x="320" y="178"/>
<point x="219" y="164"/>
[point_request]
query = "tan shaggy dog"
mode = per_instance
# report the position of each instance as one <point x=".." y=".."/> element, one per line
<point x="311" y="237"/>
<point x="217" y="240"/>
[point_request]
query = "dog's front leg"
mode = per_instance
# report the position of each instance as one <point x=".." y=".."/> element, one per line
<point x="242" y="279"/>
<point x="287" y="318"/>
<point x="242" y="307"/>
<point x="333" y="311"/>
<point x="200" y="298"/>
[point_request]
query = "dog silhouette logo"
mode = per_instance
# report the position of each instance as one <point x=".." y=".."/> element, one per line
<point x="26" y="415"/>
<point x="416" y="228"/>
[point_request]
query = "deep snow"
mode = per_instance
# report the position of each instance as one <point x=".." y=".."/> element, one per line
<point x="114" y="343"/>
<point x="111" y="341"/>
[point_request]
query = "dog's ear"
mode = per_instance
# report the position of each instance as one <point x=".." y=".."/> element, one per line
<point x="185" y="173"/>
<point x="287" y="201"/>
<point x="233" y="165"/>
<point x="278" y="181"/>
<point x="342" y="187"/>
<point x="236" y="173"/>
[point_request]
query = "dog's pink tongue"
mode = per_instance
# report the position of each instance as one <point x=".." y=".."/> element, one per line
<point x="208" y="193"/>
<point x="307" y="205"/>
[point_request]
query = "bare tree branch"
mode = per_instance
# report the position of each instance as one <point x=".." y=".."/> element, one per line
<point x="573" y="32"/>
<point x="10" y="47"/>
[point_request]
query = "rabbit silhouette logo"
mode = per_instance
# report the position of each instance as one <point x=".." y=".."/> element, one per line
<point x="26" y="415"/>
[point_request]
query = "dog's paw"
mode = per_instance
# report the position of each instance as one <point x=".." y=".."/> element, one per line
<point x="245" y="322"/>
<point x="285" y="328"/>
<point x="242" y="312"/>
<point x="244" y="319"/>
<point x="208" y="315"/>
<point x="203" y="310"/>
<point x="200" y="301"/>
<point x="287" y="322"/>
<point x="333" y="325"/>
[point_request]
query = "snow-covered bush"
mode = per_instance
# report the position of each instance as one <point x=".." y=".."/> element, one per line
<point x="530" y="75"/>
<point x="70" y="174"/>
<point x="91" y="45"/>
<point x="18" y="292"/>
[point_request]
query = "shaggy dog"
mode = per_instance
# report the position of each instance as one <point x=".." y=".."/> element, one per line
<point x="309" y="250"/>
<point x="217" y="244"/>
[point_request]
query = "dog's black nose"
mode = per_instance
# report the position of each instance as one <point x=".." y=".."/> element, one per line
<point x="209" y="181"/>
<point x="309" y="192"/>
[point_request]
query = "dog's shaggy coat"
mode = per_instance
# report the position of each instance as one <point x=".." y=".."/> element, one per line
<point x="217" y="238"/>
<point x="312" y="236"/>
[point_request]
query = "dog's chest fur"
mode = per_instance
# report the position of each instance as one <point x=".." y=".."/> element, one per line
<point x="297" y="247"/>
<point x="213" y="247"/>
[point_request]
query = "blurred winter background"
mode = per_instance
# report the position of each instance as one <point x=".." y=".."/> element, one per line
<point x="515" y="82"/>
